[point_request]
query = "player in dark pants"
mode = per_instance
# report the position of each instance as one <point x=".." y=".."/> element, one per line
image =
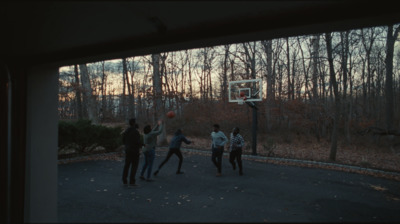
<point x="175" y="148"/>
<point x="235" y="149"/>
<point x="218" y="142"/>
<point x="133" y="143"/>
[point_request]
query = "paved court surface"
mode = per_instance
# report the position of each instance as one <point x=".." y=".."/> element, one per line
<point x="92" y="192"/>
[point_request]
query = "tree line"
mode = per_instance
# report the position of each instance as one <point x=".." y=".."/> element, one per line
<point x="330" y="84"/>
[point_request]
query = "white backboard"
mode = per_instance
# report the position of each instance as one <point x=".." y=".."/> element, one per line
<point x="252" y="89"/>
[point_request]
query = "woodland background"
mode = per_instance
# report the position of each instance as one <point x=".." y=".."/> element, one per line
<point x="327" y="97"/>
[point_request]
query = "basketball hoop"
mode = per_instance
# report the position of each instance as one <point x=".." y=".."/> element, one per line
<point x="249" y="88"/>
<point x="241" y="100"/>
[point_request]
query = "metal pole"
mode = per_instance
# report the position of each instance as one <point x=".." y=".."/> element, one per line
<point x="254" y="131"/>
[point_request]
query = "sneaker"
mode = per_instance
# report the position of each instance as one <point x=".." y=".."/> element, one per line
<point x="142" y="178"/>
<point x="219" y="174"/>
<point x="150" y="180"/>
<point x="155" y="173"/>
<point x="179" y="172"/>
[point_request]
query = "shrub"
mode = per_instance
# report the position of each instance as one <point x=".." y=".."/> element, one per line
<point x="83" y="136"/>
<point x="109" y="138"/>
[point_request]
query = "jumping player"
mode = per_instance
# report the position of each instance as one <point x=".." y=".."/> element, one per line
<point x="150" y="140"/>
<point x="175" y="148"/>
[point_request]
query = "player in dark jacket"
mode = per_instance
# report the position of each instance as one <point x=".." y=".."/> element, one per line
<point x="132" y="141"/>
<point x="175" y="148"/>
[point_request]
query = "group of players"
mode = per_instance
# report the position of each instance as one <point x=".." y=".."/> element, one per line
<point x="134" y="143"/>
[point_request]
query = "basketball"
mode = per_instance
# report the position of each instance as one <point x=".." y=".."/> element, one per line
<point x="171" y="114"/>
<point x="241" y="94"/>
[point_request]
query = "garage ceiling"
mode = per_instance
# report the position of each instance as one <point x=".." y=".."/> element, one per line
<point x="67" y="32"/>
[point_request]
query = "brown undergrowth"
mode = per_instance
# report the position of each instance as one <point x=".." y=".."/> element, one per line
<point x="366" y="156"/>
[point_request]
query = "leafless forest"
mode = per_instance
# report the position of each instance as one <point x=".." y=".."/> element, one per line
<point x="327" y="97"/>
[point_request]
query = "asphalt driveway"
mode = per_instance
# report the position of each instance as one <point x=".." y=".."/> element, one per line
<point x="92" y="191"/>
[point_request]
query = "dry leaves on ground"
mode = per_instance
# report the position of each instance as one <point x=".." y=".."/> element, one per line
<point x="318" y="152"/>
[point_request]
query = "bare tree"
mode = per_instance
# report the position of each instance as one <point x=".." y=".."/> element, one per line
<point x="332" y="155"/>
<point x="315" y="57"/>
<point x="289" y="83"/>
<point x="294" y="68"/>
<point x="127" y="96"/>
<point x="67" y="98"/>
<point x="78" y="91"/>
<point x="189" y="63"/>
<point x="250" y="53"/>
<point x="368" y="43"/>
<point x="390" y="40"/>
<point x="225" y="68"/>
<point x="157" y="88"/>
<point x="269" y="78"/>
<point x="183" y="72"/>
<point x="206" y="58"/>
<point x="87" y="92"/>
<point x="103" y="90"/>
<point x="164" y="73"/>
<point x="315" y="106"/>
<point x="344" y="36"/>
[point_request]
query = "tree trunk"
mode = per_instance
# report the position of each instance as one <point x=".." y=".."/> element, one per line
<point x="157" y="88"/>
<point x="280" y="81"/>
<point x="188" y="56"/>
<point x="269" y="90"/>
<point x="123" y="97"/>
<point x="104" y="110"/>
<point x="78" y="91"/>
<point x="224" y="92"/>
<point x="315" y="56"/>
<point x="209" y="81"/>
<point x="368" y="46"/>
<point x="293" y="75"/>
<point x="345" y="52"/>
<point x="332" y="155"/>
<point x="127" y="97"/>
<point x="251" y="61"/>
<point x="315" y="99"/>
<point x="390" y="40"/>
<point x="87" y="92"/>
<point x="289" y="90"/>
<point x="305" y="69"/>
<point x="132" y="103"/>
<point x="163" y="73"/>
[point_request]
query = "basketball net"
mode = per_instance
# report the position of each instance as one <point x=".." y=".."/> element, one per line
<point x="241" y="100"/>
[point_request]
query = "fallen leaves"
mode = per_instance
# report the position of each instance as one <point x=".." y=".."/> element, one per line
<point x="183" y="197"/>
<point x="378" y="188"/>
<point x="94" y="157"/>
<point x="392" y="198"/>
<point x="312" y="152"/>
